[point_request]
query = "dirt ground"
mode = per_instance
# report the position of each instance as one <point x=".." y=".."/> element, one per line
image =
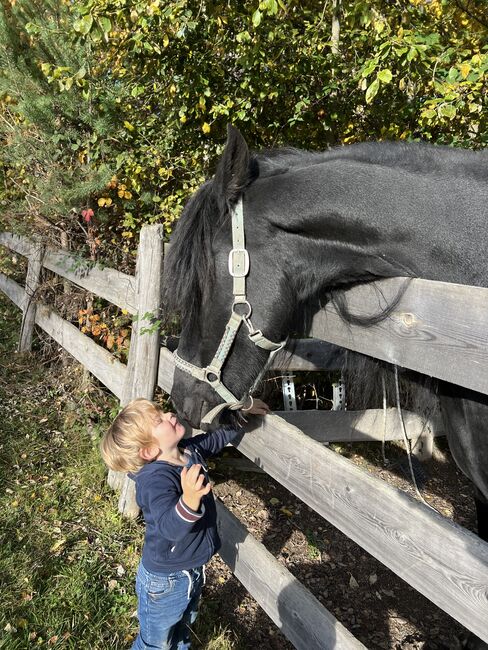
<point x="378" y="607"/>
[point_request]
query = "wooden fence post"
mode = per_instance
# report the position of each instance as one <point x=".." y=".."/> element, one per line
<point x="142" y="367"/>
<point x="34" y="268"/>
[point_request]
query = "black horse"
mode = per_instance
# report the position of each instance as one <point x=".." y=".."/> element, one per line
<point x="315" y="224"/>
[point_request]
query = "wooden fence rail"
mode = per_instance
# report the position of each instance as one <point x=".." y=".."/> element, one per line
<point x="300" y="615"/>
<point x="437" y="329"/>
<point x="443" y="561"/>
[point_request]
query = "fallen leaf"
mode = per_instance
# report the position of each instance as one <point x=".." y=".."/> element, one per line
<point x="57" y="545"/>
<point x="286" y="512"/>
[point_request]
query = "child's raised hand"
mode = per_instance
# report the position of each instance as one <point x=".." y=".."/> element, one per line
<point x="192" y="486"/>
<point x="257" y="407"/>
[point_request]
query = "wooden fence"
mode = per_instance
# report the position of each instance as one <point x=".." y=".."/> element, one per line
<point x="443" y="561"/>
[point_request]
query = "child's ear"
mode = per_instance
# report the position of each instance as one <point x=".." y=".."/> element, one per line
<point x="149" y="453"/>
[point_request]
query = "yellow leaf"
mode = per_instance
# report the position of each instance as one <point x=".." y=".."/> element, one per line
<point x="128" y="126"/>
<point x="166" y="40"/>
<point x="286" y="512"/>
<point x="465" y="69"/>
<point x="127" y="195"/>
<point x="101" y="201"/>
<point x="206" y="127"/>
<point x="183" y="119"/>
<point x="57" y="545"/>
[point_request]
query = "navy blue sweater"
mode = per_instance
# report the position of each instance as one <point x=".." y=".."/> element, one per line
<point x="176" y="536"/>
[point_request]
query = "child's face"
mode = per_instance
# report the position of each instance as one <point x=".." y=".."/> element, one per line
<point x="167" y="431"/>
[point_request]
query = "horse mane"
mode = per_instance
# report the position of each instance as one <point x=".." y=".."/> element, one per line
<point x="189" y="267"/>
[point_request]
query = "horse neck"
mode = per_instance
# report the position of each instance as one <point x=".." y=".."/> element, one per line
<point x="343" y="220"/>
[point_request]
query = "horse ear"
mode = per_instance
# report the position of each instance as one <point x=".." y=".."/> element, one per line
<point x="232" y="173"/>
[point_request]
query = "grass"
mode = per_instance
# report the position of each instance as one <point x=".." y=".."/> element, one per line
<point x="67" y="558"/>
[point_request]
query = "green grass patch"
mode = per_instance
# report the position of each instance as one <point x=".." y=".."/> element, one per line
<point x="67" y="558"/>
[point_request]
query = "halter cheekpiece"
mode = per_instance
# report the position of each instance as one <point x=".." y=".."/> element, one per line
<point x="238" y="266"/>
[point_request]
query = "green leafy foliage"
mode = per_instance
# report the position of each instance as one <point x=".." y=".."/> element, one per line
<point x="123" y="106"/>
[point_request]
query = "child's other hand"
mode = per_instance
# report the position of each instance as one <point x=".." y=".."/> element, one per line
<point x="192" y="486"/>
<point x="258" y="407"/>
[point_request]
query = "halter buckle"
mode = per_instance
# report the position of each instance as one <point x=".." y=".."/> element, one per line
<point x="238" y="262"/>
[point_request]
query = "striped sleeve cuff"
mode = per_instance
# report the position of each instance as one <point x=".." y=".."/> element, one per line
<point x="186" y="513"/>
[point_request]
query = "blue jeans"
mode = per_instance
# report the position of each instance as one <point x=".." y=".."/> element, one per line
<point x="166" y="607"/>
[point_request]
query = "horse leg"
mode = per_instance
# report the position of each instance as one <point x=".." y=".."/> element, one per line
<point x="465" y="416"/>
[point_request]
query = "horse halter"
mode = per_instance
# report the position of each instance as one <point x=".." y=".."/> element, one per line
<point x="238" y="266"/>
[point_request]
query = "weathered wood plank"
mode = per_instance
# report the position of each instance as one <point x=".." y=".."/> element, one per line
<point x="12" y="290"/>
<point x="114" y="286"/>
<point x="438" y="329"/>
<point x="445" y="562"/>
<point x="144" y="343"/>
<point x="97" y="360"/>
<point x="17" y="243"/>
<point x="357" y="426"/>
<point x="166" y="370"/>
<point x="298" y="614"/>
<point x="142" y="367"/>
<point x="32" y="279"/>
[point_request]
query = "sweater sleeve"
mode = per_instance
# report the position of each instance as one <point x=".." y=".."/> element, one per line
<point x="209" y="444"/>
<point x="173" y="518"/>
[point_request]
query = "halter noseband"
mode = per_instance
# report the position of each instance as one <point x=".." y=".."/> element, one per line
<point x="238" y="268"/>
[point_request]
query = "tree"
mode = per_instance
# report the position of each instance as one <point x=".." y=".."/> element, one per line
<point x="140" y="92"/>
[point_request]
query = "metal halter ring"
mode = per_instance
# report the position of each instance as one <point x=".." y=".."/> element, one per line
<point x="242" y="302"/>
<point x="248" y="408"/>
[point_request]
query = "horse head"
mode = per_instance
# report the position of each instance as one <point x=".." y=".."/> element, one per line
<point x="314" y="225"/>
<point x="200" y="284"/>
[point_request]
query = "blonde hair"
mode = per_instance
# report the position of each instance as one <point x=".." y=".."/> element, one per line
<point x="128" y="434"/>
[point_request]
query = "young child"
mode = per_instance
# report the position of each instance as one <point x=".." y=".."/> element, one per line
<point x="173" y="492"/>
